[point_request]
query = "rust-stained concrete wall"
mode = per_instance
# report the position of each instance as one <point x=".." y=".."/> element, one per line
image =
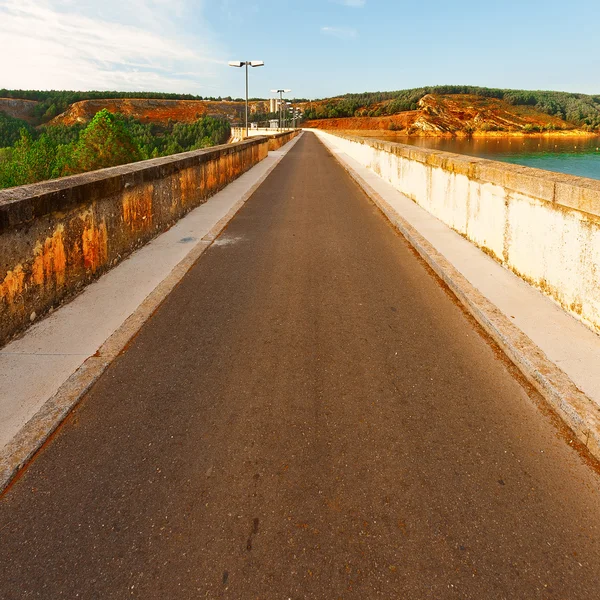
<point x="58" y="236"/>
<point x="281" y="139"/>
<point x="543" y="226"/>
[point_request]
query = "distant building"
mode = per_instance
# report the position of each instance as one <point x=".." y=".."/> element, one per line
<point x="273" y="123"/>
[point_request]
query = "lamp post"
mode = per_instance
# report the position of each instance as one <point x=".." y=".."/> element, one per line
<point x="246" y="63"/>
<point x="281" y="93"/>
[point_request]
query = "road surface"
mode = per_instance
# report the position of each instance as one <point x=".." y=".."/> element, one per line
<point x="309" y="414"/>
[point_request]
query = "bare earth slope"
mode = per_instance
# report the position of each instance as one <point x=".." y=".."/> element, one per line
<point x="150" y="111"/>
<point x="455" y="114"/>
<point x="17" y="108"/>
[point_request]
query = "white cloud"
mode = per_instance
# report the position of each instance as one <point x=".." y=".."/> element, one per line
<point x="75" y="44"/>
<point x="342" y="33"/>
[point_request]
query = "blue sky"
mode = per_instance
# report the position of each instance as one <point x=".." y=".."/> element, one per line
<point x="317" y="48"/>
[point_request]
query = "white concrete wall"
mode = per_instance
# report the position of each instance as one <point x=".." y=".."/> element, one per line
<point x="239" y="133"/>
<point x="543" y="226"/>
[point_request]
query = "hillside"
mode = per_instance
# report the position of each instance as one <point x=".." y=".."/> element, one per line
<point x="456" y="114"/>
<point x="18" y="108"/>
<point x="393" y="123"/>
<point x="427" y="111"/>
<point x="456" y="110"/>
<point x="150" y="111"/>
<point x="467" y="112"/>
<point x="50" y="103"/>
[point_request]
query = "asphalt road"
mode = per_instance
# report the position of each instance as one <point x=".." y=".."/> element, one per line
<point x="309" y="415"/>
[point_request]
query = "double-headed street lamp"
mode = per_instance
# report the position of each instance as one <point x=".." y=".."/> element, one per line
<point x="281" y="93"/>
<point x="246" y="63"/>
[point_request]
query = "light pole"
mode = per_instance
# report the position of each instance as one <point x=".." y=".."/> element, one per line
<point x="281" y="93"/>
<point x="246" y="63"/>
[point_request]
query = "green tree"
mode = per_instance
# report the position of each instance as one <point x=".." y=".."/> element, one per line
<point x="105" y="142"/>
<point x="10" y="129"/>
<point x="108" y="140"/>
<point x="30" y="161"/>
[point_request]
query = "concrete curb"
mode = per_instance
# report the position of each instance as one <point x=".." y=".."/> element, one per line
<point x="572" y="406"/>
<point x="17" y="454"/>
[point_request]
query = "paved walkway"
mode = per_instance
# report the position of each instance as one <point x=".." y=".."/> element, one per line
<point x="55" y="347"/>
<point x="308" y="415"/>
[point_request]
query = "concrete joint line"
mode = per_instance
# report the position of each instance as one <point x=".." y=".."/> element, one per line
<point x="573" y="407"/>
<point x="17" y="454"/>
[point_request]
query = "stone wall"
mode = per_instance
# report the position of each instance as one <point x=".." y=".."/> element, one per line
<point x="58" y="236"/>
<point x="543" y="226"/>
<point x="281" y="139"/>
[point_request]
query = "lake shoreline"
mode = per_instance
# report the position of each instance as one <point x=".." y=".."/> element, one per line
<point x="460" y="135"/>
<point x="570" y="152"/>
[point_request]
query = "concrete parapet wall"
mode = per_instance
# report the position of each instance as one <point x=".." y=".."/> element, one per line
<point x="239" y="133"/>
<point x="58" y="236"/>
<point x="281" y="139"/>
<point x="543" y="226"/>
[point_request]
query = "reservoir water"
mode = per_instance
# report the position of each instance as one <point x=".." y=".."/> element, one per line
<point x="574" y="156"/>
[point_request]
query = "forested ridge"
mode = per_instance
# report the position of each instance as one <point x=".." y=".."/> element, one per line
<point x="579" y="109"/>
<point x="55" y="102"/>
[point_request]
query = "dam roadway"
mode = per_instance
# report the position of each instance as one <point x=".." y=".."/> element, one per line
<point x="309" y="414"/>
